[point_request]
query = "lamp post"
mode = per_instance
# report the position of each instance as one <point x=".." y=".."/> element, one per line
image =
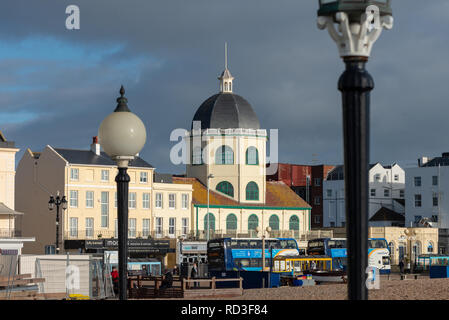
<point x="122" y="135"/>
<point x="210" y="176"/>
<point x="58" y="202"/>
<point x="360" y="24"/>
<point x="258" y="229"/>
<point x="410" y="233"/>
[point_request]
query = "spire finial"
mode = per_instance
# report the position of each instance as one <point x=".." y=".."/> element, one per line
<point x="122" y="105"/>
<point x="226" y="55"/>
<point x="226" y="77"/>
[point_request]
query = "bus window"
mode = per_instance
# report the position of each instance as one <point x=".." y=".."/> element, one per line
<point x="276" y="265"/>
<point x="297" y="266"/>
<point x="243" y="244"/>
<point x="282" y="265"/>
<point x="254" y="244"/>
<point x="291" y="244"/>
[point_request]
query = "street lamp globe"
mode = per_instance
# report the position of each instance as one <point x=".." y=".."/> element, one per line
<point x="122" y="134"/>
<point x="64" y="203"/>
<point x="51" y="203"/>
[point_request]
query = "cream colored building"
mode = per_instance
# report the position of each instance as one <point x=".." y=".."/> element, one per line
<point x="7" y="180"/>
<point x="228" y="162"/>
<point x="87" y="179"/>
<point x="10" y="233"/>
<point x="423" y="241"/>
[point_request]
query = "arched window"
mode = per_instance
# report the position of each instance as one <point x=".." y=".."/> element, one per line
<point x="252" y="156"/>
<point x="226" y="188"/>
<point x="274" y="222"/>
<point x="416" y="248"/>
<point x="293" y="223"/>
<point x="224" y="155"/>
<point x="211" y="221"/>
<point x="226" y="86"/>
<point x="197" y="156"/>
<point x="253" y="222"/>
<point x="429" y="247"/>
<point x="252" y="191"/>
<point x="231" y="222"/>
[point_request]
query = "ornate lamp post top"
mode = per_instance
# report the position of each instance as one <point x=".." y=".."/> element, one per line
<point x="122" y="133"/>
<point x="360" y="23"/>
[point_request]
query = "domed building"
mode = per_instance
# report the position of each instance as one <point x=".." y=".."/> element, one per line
<point x="228" y="157"/>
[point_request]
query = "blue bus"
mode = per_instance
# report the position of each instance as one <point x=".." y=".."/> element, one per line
<point x="378" y="252"/>
<point x="233" y="254"/>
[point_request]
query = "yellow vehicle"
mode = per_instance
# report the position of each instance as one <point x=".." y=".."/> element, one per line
<point x="298" y="265"/>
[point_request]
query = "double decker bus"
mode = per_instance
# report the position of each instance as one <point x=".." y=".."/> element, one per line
<point x="334" y="248"/>
<point x="378" y="252"/>
<point x="233" y="254"/>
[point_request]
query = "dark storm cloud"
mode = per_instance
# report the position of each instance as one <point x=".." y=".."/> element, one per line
<point x="168" y="55"/>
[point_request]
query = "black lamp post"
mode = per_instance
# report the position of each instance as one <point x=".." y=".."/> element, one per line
<point x="359" y="26"/>
<point x="58" y="202"/>
<point x="122" y="135"/>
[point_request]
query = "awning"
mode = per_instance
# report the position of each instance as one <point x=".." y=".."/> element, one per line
<point x="4" y="210"/>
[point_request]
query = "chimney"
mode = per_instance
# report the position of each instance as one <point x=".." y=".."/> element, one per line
<point x="95" y="146"/>
<point x="422" y="161"/>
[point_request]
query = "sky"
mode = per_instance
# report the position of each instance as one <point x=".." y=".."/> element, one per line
<point x="57" y="85"/>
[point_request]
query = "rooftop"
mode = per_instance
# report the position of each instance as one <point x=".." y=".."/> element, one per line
<point x="278" y="195"/>
<point x="385" y="214"/>
<point x="88" y="157"/>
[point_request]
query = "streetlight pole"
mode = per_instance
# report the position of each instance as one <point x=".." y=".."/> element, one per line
<point x="208" y="214"/>
<point x="355" y="36"/>
<point x="410" y="233"/>
<point x="268" y="229"/>
<point x="122" y="135"/>
<point x="51" y="204"/>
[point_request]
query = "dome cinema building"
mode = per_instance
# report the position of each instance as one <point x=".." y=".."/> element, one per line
<point x="228" y="155"/>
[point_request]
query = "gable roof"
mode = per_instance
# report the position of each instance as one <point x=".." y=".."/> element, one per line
<point x="90" y="158"/>
<point x="278" y="195"/>
<point x="4" y="209"/>
<point x="385" y="214"/>
<point x="5" y="143"/>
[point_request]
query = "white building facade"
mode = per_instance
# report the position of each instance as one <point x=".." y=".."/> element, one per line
<point x="386" y="190"/>
<point x="427" y="190"/>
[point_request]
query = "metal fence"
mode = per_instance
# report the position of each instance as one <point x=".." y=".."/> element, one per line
<point x="74" y="275"/>
<point x="8" y="269"/>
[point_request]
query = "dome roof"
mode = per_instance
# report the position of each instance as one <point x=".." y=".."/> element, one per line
<point x="226" y="110"/>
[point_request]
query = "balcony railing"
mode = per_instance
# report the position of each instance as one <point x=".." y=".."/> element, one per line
<point x="10" y="233"/>
<point x="172" y="234"/>
<point x="107" y="234"/>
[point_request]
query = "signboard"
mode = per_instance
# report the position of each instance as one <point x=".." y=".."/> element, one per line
<point x="9" y="252"/>
<point x="134" y="245"/>
<point x="190" y="247"/>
